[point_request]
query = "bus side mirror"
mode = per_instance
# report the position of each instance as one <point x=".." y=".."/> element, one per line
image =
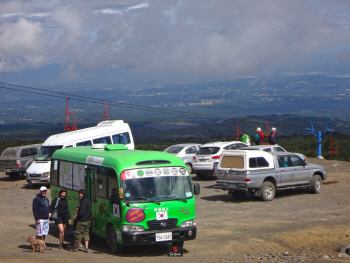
<point x="121" y="193"/>
<point x="197" y="189"/>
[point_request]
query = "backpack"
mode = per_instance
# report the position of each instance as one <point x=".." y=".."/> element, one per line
<point x="257" y="137"/>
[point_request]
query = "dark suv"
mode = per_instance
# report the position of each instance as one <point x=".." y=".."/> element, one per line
<point x="15" y="160"/>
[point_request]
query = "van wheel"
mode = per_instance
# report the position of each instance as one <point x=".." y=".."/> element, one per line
<point x="201" y="176"/>
<point x="189" y="167"/>
<point x="238" y="194"/>
<point x="315" y="184"/>
<point x="14" y="176"/>
<point x="268" y="191"/>
<point x="116" y="248"/>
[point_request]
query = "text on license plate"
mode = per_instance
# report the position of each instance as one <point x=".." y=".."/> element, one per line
<point x="164" y="236"/>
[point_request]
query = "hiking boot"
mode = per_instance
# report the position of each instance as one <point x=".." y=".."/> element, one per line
<point x="86" y="250"/>
<point x="74" y="249"/>
<point x="47" y="248"/>
<point x="60" y="246"/>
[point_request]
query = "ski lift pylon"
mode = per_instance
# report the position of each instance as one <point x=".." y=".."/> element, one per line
<point x="333" y="147"/>
<point x="68" y="124"/>
<point x="266" y="135"/>
<point x="105" y="114"/>
<point x="238" y="133"/>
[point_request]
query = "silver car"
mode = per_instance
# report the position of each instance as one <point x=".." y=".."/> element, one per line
<point x="185" y="152"/>
<point x="210" y="153"/>
<point x="271" y="148"/>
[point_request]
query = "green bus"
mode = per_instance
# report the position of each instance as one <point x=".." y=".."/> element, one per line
<point x="137" y="197"/>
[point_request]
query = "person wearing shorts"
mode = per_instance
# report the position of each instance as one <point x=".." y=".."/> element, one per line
<point x="63" y="217"/>
<point x="83" y="221"/>
<point x="41" y="214"/>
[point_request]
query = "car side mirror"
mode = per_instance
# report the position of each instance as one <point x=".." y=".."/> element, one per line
<point x="196" y="188"/>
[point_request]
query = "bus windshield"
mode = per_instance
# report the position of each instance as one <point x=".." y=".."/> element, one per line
<point x="46" y="153"/>
<point x="157" y="188"/>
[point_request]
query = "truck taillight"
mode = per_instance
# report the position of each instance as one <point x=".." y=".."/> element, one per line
<point x="18" y="163"/>
<point x="247" y="180"/>
<point x="194" y="157"/>
<point x="216" y="157"/>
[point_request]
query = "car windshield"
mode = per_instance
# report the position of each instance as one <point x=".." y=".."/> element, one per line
<point x="9" y="153"/>
<point x="174" y="149"/>
<point x="156" y="189"/>
<point x="208" y="150"/>
<point x="46" y="153"/>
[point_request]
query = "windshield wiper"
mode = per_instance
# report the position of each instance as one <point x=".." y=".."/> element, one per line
<point x="145" y="199"/>
<point x="175" y="198"/>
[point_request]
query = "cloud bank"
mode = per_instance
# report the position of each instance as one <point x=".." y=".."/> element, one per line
<point x="176" y="39"/>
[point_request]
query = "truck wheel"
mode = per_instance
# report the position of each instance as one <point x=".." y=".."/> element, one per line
<point x="238" y="195"/>
<point x="189" y="167"/>
<point x="116" y="248"/>
<point x="268" y="191"/>
<point x="315" y="184"/>
<point x="201" y="176"/>
<point x="14" y="176"/>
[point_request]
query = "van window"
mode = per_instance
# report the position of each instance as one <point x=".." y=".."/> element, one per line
<point x="122" y="138"/>
<point x="106" y="140"/>
<point x="258" y="162"/>
<point x="45" y="153"/>
<point x="9" y="153"/>
<point x="85" y="143"/>
<point x="232" y="162"/>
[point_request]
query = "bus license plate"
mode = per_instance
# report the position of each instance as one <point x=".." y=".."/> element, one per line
<point x="164" y="236"/>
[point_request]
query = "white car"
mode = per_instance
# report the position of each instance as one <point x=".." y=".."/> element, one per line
<point x="209" y="153"/>
<point x="185" y="152"/>
<point x="271" y="148"/>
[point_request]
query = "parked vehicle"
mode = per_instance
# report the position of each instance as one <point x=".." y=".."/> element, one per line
<point x="15" y="160"/>
<point x="262" y="173"/>
<point x="271" y="148"/>
<point x="209" y="153"/>
<point x="185" y="152"/>
<point x="137" y="197"/>
<point x="107" y="132"/>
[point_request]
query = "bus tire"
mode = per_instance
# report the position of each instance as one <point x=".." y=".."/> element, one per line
<point x="116" y="248"/>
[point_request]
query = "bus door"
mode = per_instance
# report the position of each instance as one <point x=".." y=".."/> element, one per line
<point x="92" y="184"/>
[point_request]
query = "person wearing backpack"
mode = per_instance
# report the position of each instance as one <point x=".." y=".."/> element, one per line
<point x="258" y="136"/>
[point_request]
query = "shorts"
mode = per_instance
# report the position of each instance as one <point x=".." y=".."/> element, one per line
<point x="82" y="230"/>
<point x="43" y="227"/>
<point x="62" y="220"/>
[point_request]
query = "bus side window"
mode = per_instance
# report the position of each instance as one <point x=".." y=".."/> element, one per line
<point x="102" y="182"/>
<point x="113" y="188"/>
<point x="106" y="140"/>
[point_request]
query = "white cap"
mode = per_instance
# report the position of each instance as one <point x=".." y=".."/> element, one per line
<point x="258" y="129"/>
<point x="43" y="188"/>
<point x="273" y="129"/>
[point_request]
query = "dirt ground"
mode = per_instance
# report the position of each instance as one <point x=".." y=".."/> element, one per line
<point x="295" y="227"/>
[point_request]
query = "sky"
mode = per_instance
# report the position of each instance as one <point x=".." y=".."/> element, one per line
<point x="183" y="39"/>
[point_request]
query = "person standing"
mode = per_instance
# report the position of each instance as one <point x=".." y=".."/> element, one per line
<point x="83" y="221"/>
<point x="41" y="212"/>
<point x="258" y="136"/>
<point x="63" y="217"/>
<point x="273" y="138"/>
<point x="245" y="139"/>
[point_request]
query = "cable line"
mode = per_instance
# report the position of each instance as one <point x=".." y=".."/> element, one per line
<point x="99" y="101"/>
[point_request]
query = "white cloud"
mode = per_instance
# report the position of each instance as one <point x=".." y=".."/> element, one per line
<point x="189" y="38"/>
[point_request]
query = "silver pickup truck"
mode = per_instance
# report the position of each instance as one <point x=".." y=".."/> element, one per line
<point x="262" y="173"/>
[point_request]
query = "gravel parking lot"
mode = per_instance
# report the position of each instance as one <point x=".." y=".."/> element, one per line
<point x="295" y="227"/>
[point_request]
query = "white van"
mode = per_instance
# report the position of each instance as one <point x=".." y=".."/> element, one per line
<point x="106" y="132"/>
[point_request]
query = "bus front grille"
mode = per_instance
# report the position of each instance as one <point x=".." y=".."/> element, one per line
<point x="162" y="224"/>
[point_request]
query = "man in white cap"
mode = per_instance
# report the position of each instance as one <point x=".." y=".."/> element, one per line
<point x="273" y="138"/>
<point x="41" y="212"/>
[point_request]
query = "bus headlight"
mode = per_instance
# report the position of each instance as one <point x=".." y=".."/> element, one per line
<point x="45" y="174"/>
<point x="133" y="228"/>
<point x="188" y="223"/>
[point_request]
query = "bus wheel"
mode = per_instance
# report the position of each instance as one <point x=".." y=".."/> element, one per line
<point x="116" y="248"/>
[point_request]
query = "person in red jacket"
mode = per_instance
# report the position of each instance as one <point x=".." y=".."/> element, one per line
<point x="258" y="136"/>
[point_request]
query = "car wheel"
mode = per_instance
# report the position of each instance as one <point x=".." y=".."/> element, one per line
<point x="14" y="176"/>
<point x="201" y="176"/>
<point x="189" y="167"/>
<point x="238" y="194"/>
<point x="268" y="191"/>
<point x="316" y="183"/>
<point x="116" y="248"/>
